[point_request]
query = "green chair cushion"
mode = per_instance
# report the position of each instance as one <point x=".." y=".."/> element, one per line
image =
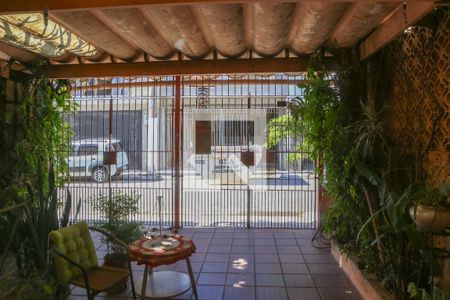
<point x="74" y="241"/>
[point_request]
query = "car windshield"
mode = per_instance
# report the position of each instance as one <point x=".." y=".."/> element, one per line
<point x="87" y="150"/>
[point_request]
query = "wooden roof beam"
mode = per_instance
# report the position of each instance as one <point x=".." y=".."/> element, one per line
<point x="20" y="54"/>
<point x="402" y="18"/>
<point x="184" y="67"/>
<point x="7" y="66"/>
<point x="345" y="19"/>
<point x="359" y="21"/>
<point x="21" y="6"/>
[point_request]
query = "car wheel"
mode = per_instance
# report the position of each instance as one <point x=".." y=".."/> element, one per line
<point x="100" y="174"/>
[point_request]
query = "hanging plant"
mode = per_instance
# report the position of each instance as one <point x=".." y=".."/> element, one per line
<point x="431" y="209"/>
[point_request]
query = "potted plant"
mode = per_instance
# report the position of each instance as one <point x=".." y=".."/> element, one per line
<point x="431" y="209"/>
<point x="116" y="209"/>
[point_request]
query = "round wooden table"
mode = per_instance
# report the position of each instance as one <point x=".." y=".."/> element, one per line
<point x="157" y="251"/>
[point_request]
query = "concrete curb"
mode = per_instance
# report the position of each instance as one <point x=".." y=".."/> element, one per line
<point x="368" y="289"/>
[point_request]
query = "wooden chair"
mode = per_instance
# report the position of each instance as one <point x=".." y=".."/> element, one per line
<point x="76" y="260"/>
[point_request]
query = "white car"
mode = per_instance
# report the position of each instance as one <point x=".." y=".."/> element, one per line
<point x="87" y="159"/>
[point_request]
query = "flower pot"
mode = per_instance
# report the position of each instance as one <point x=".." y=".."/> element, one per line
<point x="117" y="260"/>
<point x="430" y="218"/>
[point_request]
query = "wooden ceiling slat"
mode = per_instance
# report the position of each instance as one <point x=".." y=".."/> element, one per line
<point x="223" y="27"/>
<point x="344" y="20"/>
<point x="312" y="25"/>
<point x="178" y="26"/>
<point x="46" y="30"/>
<point x="26" y="39"/>
<point x="394" y="26"/>
<point x="271" y="27"/>
<point x="204" y="28"/>
<point x="249" y="25"/>
<point x="6" y="66"/>
<point x="88" y="27"/>
<point x="264" y="29"/>
<point x="358" y="21"/>
<point x="129" y="24"/>
<point x="191" y="67"/>
<point x="19" y="54"/>
<point x="19" y="6"/>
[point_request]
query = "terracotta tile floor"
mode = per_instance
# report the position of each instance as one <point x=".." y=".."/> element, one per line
<point x="255" y="264"/>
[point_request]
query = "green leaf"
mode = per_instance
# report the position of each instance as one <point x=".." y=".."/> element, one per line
<point x="67" y="209"/>
<point x="367" y="173"/>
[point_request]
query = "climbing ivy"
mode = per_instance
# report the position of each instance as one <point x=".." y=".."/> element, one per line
<point x="33" y="144"/>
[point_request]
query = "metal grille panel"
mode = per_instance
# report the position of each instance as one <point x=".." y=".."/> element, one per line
<point x="214" y="189"/>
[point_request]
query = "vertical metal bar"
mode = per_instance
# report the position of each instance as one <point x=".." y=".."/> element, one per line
<point x="319" y="191"/>
<point x="176" y="150"/>
<point x="248" y="167"/>
<point x="181" y="150"/>
<point x="109" y="166"/>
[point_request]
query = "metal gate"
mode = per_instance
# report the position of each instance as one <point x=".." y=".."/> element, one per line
<point x="200" y="142"/>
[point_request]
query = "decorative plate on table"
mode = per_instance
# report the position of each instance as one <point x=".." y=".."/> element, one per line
<point x="161" y="244"/>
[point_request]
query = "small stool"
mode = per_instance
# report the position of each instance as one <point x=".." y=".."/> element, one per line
<point x="154" y="252"/>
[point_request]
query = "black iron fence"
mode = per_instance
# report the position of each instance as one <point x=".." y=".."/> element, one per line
<point x="207" y="155"/>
